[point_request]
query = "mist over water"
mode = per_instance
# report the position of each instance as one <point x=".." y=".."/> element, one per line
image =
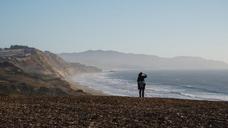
<point x="199" y="85"/>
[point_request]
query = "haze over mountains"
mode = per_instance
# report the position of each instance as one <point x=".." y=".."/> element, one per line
<point x="117" y="60"/>
<point x="29" y="71"/>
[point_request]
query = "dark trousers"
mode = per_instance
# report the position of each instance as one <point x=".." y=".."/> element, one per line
<point x="141" y="92"/>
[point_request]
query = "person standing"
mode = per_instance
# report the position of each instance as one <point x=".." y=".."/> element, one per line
<point x="141" y="83"/>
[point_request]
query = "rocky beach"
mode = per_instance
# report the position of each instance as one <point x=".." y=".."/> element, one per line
<point x="111" y="112"/>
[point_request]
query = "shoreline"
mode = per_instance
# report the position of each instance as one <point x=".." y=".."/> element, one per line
<point x="95" y="91"/>
<point x="75" y="85"/>
<point x="110" y="87"/>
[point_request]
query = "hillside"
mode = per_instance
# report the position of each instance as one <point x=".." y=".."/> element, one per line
<point x="14" y="82"/>
<point x="118" y="60"/>
<point x="32" y="60"/>
<point x="29" y="71"/>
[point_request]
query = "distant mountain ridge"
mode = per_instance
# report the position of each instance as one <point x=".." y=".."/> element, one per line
<point x="29" y="71"/>
<point x="118" y="60"/>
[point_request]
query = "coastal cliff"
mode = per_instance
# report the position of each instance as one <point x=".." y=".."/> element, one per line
<point x="29" y="71"/>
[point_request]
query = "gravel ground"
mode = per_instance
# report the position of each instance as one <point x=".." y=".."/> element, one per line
<point x="111" y="112"/>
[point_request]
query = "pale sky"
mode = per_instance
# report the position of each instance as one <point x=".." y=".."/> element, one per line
<point x="165" y="28"/>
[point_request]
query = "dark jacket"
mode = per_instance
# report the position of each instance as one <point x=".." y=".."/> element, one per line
<point x="141" y="78"/>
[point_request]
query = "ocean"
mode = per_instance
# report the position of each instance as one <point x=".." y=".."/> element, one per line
<point x="198" y="85"/>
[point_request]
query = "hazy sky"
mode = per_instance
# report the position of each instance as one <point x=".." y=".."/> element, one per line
<point x="163" y="27"/>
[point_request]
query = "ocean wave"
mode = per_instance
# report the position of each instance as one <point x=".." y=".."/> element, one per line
<point x="114" y="86"/>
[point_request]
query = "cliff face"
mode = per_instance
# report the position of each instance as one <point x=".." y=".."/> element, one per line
<point x="29" y="71"/>
<point x="32" y="60"/>
<point x="14" y="81"/>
